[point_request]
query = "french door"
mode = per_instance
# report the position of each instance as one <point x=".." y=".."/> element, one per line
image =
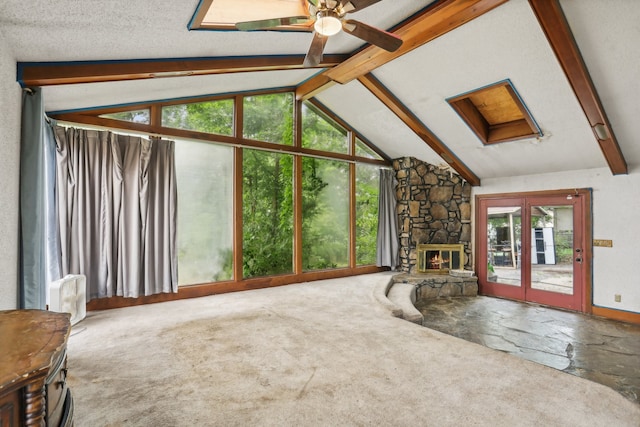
<point x="537" y="247"/>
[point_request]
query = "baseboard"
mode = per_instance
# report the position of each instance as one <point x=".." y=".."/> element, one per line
<point x="201" y="290"/>
<point x="622" y="316"/>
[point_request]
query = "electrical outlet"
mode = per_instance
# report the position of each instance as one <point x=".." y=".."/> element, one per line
<point x="617" y="297"/>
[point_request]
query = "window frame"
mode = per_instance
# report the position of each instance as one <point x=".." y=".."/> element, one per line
<point x="91" y="117"/>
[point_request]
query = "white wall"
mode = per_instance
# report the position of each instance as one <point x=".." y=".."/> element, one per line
<point x="10" y="105"/>
<point x="616" y="207"/>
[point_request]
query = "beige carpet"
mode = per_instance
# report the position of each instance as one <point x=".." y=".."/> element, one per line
<point x="325" y="353"/>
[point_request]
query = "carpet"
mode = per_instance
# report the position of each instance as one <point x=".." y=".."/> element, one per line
<point x="323" y="353"/>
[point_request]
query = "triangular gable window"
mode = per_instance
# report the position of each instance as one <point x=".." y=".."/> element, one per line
<point x="134" y="116"/>
<point x="257" y="120"/>
<point x="320" y="132"/>
<point x="363" y="150"/>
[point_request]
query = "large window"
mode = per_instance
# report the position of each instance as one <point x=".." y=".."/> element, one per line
<point x="204" y="175"/>
<point x="244" y="223"/>
<point x="267" y="213"/>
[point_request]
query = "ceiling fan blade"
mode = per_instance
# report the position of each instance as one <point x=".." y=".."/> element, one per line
<point x="314" y="55"/>
<point x="355" y="5"/>
<point x="383" y="39"/>
<point x="264" y="24"/>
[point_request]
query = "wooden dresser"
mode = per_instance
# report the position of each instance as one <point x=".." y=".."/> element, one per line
<point x="33" y="369"/>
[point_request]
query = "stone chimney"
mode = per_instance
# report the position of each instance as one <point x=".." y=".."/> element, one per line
<point x="433" y="206"/>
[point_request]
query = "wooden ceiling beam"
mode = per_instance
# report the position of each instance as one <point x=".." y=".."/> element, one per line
<point x="556" y="28"/>
<point x="431" y="23"/>
<point x="399" y="109"/>
<point x="313" y="86"/>
<point x="57" y="73"/>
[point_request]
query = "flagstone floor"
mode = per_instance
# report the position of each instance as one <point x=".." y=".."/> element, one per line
<point x="597" y="349"/>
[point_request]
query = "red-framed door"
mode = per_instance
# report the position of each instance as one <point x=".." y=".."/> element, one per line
<point x="537" y="247"/>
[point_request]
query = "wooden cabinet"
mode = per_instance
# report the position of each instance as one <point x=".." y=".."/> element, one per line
<point x="33" y="369"/>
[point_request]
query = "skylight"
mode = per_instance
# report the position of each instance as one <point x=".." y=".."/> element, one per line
<point x="224" y="14"/>
<point x="496" y="113"/>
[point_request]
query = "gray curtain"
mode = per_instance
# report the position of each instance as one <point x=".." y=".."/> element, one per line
<point x="39" y="243"/>
<point x="387" y="243"/>
<point x="117" y="207"/>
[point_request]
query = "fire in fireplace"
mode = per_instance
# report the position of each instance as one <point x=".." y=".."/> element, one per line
<point x="440" y="258"/>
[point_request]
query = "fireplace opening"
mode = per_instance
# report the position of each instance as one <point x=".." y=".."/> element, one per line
<point x="440" y="258"/>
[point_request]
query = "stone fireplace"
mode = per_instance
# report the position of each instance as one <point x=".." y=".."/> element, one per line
<point x="433" y="207"/>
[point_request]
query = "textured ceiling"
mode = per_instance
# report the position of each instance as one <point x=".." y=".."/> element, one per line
<point x="506" y="43"/>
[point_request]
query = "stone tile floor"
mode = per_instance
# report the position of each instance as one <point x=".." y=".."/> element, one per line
<point x="604" y="351"/>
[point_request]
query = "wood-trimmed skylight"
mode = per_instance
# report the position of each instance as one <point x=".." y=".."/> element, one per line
<point x="224" y="14"/>
<point x="496" y="113"/>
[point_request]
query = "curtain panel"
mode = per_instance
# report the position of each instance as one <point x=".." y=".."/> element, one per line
<point x="117" y="205"/>
<point x="39" y="240"/>
<point x="387" y="242"/>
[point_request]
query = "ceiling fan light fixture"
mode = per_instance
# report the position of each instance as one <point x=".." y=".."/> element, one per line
<point x="327" y="23"/>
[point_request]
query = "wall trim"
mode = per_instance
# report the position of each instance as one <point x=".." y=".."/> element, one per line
<point x="206" y="289"/>
<point x="619" y="315"/>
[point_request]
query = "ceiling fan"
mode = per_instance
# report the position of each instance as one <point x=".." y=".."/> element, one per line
<point x="329" y="18"/>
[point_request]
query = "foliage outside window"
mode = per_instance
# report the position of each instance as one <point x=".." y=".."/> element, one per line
<point x="269" y="118"/>
<point x="319" y="132"/>
<point x="367" y="188"/>
<point x="267" y="214"/>
<point x="325" y="214"/>
<point x="204" y="177"/>
<point x="214" y="117"/>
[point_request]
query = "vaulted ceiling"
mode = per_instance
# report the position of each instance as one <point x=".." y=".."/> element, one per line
<point x="577" y="77"/>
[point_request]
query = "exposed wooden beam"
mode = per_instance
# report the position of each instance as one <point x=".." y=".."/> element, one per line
<point x="433" y="22"/>
<point x="57" y="73"/>
<point x="556" y="28"/>
<point x="313" y="86"/>
<point x="410" y="119"/>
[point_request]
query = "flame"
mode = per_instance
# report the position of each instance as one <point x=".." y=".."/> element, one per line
<point x="436" y="262"/>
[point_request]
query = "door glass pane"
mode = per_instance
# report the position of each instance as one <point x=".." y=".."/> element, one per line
<point x="204" y="177"/>
<point x="504" y="231"/>
<point x="552" y="248"/>
<point x="325" y="214"/>
<point x="267" y="213"/>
